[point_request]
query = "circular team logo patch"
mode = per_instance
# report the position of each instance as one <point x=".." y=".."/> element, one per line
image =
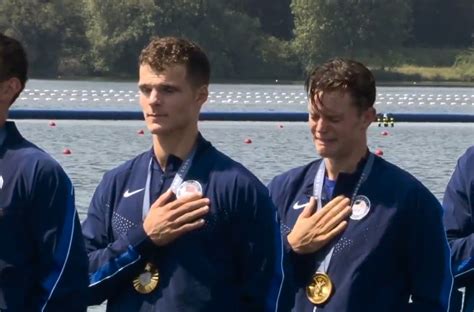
<point x="190" y="186"/>
<point x="360" y="207"/>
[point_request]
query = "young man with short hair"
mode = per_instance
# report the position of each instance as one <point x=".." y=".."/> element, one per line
<point x="361" y="234"/>
<point x="43" y="263"/>
<point x="181" y="227"/>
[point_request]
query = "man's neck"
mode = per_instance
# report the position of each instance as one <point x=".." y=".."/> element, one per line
<point x="345" y="165"/>
<point x="178" y="145"/>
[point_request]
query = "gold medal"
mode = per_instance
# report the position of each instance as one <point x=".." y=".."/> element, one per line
<point x="319" y="289"/>
<point x="147" y="281"/>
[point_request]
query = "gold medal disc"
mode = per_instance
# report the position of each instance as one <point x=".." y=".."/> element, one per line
<point x="319" y="289"/>
<point x="147" y="281"/>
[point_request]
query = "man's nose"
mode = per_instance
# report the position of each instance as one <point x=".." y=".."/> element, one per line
<point x="321" y="125"/>
<point x="154" y="97"/>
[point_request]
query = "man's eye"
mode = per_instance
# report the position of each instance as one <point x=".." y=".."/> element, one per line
<point x="168" y="89"/>
<point x="145" y="90"/>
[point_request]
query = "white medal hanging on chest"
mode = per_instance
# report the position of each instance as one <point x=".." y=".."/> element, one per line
<point x="360" y="207"/>
<point x="188" y="187"/>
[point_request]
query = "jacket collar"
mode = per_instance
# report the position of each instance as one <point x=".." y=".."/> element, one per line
<point x="345" y="183"/>
<point x="174" y="162"/>
<point x="12" y="135"/>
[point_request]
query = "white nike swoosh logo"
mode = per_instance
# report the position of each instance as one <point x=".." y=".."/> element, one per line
<point x="128" y="194"/>
<point x="297" y="206"/>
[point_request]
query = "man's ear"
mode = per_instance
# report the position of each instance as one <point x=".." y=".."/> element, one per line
<point x="369" y="116"/>
<point x="201" y="94"/>
<point x="10" y="89"/>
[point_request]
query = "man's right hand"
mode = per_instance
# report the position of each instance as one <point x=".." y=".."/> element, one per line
<point x="166" y="221"/>
<point x="313" y="230"/>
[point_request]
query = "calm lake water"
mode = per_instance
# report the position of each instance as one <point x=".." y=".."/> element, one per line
<point x="427" y="150"/>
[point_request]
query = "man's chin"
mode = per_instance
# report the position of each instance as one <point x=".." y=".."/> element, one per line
<point x="157" y="130"/>
<point x="324" y="152"/>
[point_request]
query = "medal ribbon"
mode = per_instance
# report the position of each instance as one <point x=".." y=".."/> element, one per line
<point x="317" y="191"/>
<point x="177" y="180"/>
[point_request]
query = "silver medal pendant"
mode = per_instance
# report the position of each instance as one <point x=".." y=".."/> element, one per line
<point x="188" y="187"/>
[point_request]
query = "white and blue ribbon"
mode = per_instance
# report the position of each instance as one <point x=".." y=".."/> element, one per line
<point x="177" y="180"/>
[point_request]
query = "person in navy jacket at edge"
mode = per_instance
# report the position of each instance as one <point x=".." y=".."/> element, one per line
<point x="458" y="203"/>
<point x="361" y="234"/>
<point x="43" y="263"/>
<point x="181" y="227"/>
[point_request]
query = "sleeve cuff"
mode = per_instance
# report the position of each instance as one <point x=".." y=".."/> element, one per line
<point x="286" y="245"/>
<point x="140" y="242"/>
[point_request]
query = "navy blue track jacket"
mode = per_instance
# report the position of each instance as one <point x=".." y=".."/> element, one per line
<point x="233" y="263"/>
<point x="397" y="250"/>
<point x="458" y="203"/>
<point x="43" y="263"/>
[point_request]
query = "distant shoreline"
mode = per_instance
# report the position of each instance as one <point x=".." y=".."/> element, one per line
<point x="380" y="82"/>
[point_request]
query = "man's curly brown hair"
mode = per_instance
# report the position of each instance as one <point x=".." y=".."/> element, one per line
<point x="343" y="75"/>
<point x="168" y="51"/>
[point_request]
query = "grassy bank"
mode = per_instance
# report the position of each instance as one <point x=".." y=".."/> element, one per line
<point x="425" y="73"/>
<point x="451" y="65"/>
<point x="421" y="65"/>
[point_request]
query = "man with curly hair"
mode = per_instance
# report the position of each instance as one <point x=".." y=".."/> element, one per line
<point x="362" y="235"/>
<point x="181" y="227"/>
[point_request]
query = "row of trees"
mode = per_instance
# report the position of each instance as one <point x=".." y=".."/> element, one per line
<point x="244" y="38"/>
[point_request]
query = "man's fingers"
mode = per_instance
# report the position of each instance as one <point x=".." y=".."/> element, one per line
<point x="309" y="208"/>
<point x="334" y="220"/>
<point x="187" y="227"/>
<point x="189" y="197"/>
<point x="163" y="199"/>
<point x="188" y="207"/>
<point x="334" y="232"/>
<point x="335" y="202"/>
<point x="330" y="209"/>
<point x="191" y="216"/>
<point x="335" y="211"/>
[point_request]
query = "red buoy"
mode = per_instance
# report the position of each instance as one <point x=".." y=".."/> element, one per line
<point x="378" y="152"/>
<point x="52" y="123"/>
<point x="384" y="133"/>
<point x="280" y="126"/>
<point x="247" y="141"/>
<point x="67" y="151"/>
<point x="141" y="132"/>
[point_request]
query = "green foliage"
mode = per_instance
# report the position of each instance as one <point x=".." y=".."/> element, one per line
<point x="245" y="39"/>
<point x="230" y="38"/>
<point x="349" y="28"/>
<point x="233" y="51"/>
<point x="465" y="65"/>
<point x="117" y="30"/>
<point x="38" y="25"/>
<point x="442" y="23"/>
<point x="279" y="60"/>
<point x="429" y="56"/>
